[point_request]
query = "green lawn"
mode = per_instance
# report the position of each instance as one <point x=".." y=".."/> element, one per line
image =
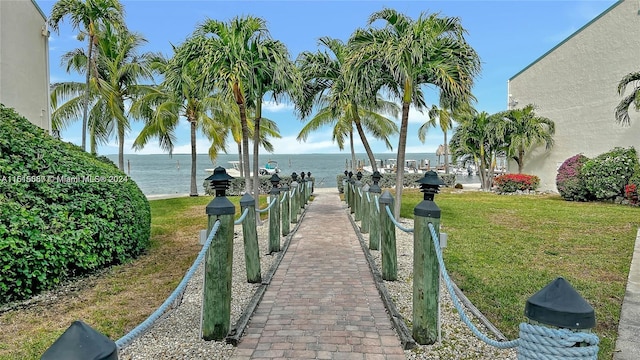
<point x="502" y="249"/>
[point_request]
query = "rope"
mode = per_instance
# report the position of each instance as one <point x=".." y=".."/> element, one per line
<point x="293" y="191"/>
<point x="368" y="197"/>
<point x="140" y="329"/>
<point x="535" y="342"/>
<point x="456" y="302"/>
<point x="407" y="230"/>
<point x="268" y="207"/>
<point x="241" y="218"/>
<point x="377" y="207"/>
<point x="284" y="197"/>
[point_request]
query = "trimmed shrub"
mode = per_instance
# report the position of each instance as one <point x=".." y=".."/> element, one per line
<point x="606" y="175"/>
<point x="63" y="212"/>
<point x="570" y="181"/>
<point x="509" y="183"/>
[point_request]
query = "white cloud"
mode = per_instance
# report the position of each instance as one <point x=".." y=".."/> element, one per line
<point x="272" y="106"/>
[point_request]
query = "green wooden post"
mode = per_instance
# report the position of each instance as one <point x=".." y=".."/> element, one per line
<point x="374" y="233"/>
<point x="426" y="271"/>
<point x="344" y="188"/>
<point x="301" y="191"/>
<point x="294" y="199"/>
<point x="364" y="209"/>
<point x="216" y="306"/>
<point x="274" y="215"/>
<point x="357" y="211"/>
<point x="286" y="211"/>
<point x="351" y="193"/>
<point x="389" y="256"/>
<point x="250" y="236"/>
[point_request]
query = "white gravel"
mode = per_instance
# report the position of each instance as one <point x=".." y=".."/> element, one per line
<point x="177" y="334"/>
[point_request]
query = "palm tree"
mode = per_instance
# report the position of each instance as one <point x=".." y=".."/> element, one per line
<point x="118" y="71"/>
<point x="429" y="50"/>
<point x="183" y="94"/>
<point x="87" y="17"/>
<point x="227" y="54"/>
<point x="276" y="74"/>
<point x="325" y="75"/>
<point x="523" y="129"/>
<point x="477" y="137"/>
<point x="443" y="117"/>
<point x="622" y="110"/>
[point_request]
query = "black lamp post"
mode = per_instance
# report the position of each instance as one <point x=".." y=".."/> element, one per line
<point x="275" y="182"/>
<point x="430" y="184"/>
<point x="359" y="175"/>
<point x="375" y="188"/>
<point x="294" y="176"/>
<point x="220" y="181"/>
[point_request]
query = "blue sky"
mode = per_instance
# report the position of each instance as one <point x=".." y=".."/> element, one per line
<point x="508" y="35"/>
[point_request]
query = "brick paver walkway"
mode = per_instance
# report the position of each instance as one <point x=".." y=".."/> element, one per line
<point x="322" y="302"/>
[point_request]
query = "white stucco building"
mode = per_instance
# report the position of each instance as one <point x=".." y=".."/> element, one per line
<point x="575" y="85"/>
<point x="24" y="60"/>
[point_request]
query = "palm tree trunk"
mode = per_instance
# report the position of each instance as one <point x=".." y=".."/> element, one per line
<point x="241" y="168"/>
<point x="194" y="188"/>
<point x="121" y="147"/>
<point x="245" y="149"/>
<point x="85" y="110"/>
<point x="520" y="160"/>
<point x="446" y="154"/>
<point x="256" y="148"/>
<point x="365" y="143"/>
<point x="402" y="147"/>
<point x="353" y="151"/>
<point x="237" y="92"/>
<point x="92" y="141"/>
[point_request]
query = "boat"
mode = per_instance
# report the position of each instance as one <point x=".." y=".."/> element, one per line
<point x="270" y="168"/>
<point x="390" y="166"/>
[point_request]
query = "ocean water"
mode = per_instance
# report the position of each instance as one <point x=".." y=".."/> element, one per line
<point x="161" y="174"/>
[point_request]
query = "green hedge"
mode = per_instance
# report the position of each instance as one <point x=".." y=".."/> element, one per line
<point x="606" y="175"/>
<point x="63" y="212"/>
<point x="388" y="181"/>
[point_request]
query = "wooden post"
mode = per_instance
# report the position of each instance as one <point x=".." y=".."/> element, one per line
<point x="250" y="236"/>
<point x="357" y="216"/>
<point x="364" y="209"/>
<point x="389" y="256"/>
<point x="274" y="221"/>
<point x="374" y="191"/>
<point x="374" y="228"/>
<point x="426" y="270"/>
<point x="216" y="306"/>
<point x="286" y="212"/>
<point x="294" y="202"/>
<point x="426" y="275"/>
<point x="345" y="187"/>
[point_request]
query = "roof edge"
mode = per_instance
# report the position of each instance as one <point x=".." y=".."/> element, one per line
<point x="44" y="16"/>
<point x="568" y="38"/>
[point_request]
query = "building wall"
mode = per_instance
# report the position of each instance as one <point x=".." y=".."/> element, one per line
<point x="24" y="61"/>
<point x="575" y="85"/>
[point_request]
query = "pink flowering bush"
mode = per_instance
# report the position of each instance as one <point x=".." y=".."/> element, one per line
<point x="570" y="182"/>
<point x="509" y="183"/>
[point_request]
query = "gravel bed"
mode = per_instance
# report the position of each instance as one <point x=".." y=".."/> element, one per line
<point x="457" y="341"/>
<point x="177" y="334"/>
